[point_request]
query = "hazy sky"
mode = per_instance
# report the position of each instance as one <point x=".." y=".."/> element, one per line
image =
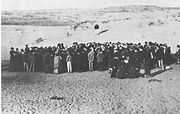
<point x="58" y="4"/>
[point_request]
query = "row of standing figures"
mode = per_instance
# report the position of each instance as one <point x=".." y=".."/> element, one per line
<point x="120" y="64"/>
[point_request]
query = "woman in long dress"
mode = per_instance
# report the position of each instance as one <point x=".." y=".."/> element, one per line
<point x="57" y="61"/>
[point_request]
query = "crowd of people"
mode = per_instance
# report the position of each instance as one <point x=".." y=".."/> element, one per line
<point x="122" y="59"/>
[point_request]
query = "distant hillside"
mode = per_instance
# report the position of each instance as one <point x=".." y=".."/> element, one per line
<point x="64" y="17"/>
<point x="139" y="8"/>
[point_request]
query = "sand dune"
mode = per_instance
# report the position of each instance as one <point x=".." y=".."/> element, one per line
<point x="124" y="24"/>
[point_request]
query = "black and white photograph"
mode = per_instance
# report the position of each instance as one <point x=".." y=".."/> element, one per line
<point x="90" y="56"/>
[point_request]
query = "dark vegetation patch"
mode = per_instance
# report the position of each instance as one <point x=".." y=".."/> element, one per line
<point x="154" y="80"/>
<point x="57" y="98"/>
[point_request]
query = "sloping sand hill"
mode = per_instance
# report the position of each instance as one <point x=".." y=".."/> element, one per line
<point x="124" y="24"/>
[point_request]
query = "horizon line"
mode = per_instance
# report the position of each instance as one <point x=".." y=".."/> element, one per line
<point x="171" y="7"/>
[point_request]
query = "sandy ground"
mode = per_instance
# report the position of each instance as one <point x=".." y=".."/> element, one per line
<point x="91" y="93"/>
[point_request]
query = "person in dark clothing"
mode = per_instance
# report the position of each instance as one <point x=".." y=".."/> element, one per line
<point x="84" y="60"/>
<point x="114" y="67"/>
<point x="22" y="60"/>
<point x="12" y="60"/>
<point x="134" y="64"/>
<point x="110" y="55"/>
<point x="79" y="64"/>
<point x="160" y="57"/>
<point x="74" y="62"/>
<point x="134" y="60"/>
<point x="105" y="61"/>
<point x="39" y="61"/>
<point x="148" y="61"/>
<point x="26" y="61"/>
<point x="95" y="61"/>
<point x="145" y="67"/>
<point x="51" y="63"/>
<point x="32" y="62"/>
<point x="18" y="60"/>
<point x="64" y="68"/>
<point x="124" y="67"/>
<point x="178" y="54"/>
<point x="60" y="63"/>
<point x="100" y="58"/>
<point x="45" y="61"/>
<point x="27" y="49"/>
<point x="167" y="56"/>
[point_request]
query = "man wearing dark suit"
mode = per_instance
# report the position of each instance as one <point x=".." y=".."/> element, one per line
<point x="100" y="58"/>
<point x="114" y="67"/>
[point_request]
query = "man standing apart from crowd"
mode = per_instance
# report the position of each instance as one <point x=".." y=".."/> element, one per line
<point x="91" y="59"/>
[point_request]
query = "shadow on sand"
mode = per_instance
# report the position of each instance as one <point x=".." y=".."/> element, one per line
<point x="158" y="72"/>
